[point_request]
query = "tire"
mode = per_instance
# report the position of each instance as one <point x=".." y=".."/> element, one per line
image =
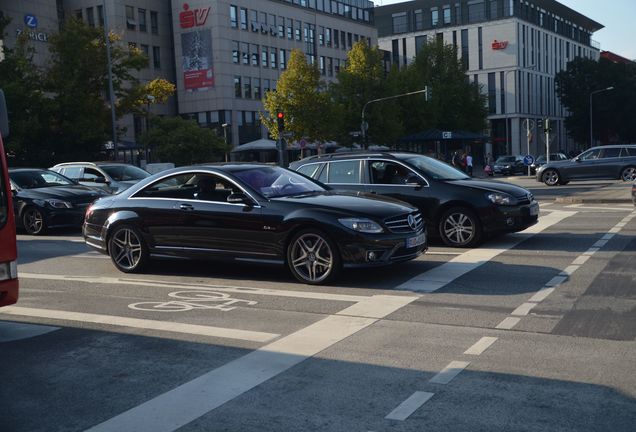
<point x="551" y="177"/>
<point x="628" y="174"/>
<point x="33" y="221"/>
<point x="312" y="257"/>
<point x="460" y="227"/>
<point x="127" y="249"/>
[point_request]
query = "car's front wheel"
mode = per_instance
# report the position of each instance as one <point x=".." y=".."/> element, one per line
<point x="551" y="177"/>
<point x="460" y="227"/>
<point x="127" y="249"/>
<point x="33" y="221"/>
<point x="312" y="257"/>
<point x="629" y="173"/>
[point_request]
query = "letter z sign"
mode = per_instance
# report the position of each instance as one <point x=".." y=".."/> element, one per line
<point x="193" y="18"/>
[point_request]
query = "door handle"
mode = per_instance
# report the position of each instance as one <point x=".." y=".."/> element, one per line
<point x="187" y="207"/>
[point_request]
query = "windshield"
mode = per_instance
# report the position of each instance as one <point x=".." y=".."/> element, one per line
<point x="38" y="179"/>
<point x="505" y="159"/>
<point x="125" y="172"/>
<point x="276" y="182"/>
<point x="434" y="168"/>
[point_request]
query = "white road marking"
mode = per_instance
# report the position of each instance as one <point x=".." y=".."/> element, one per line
<point x="508" y="323"/>
<point x="480" y="346"/>
<point x="582" y="259"/>
<point x="555" y="281"/>
<point x="378" y="306"/>
<point x="584" y="207"/>
<point x="591" y="251"/>
<point x="542" y="294"/>
<point x="180" y="406"/>
<point x="442" y="253"/>
<point x="440" y="276"/>
<point x="569" y="270"/>
<point x="91" y="255"/>
<point x="223" y="288"/>
<point x="449" y="372"/>
<point x="12" y="331"/>
<point x="600" y="243"/>
<point x="409" y="406"/>
<point x="166" y="326"/>
<point x="607" y="236"/>
<point x="524" y="309"/>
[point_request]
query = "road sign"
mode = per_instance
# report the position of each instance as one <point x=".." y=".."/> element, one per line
<point x="302" y="144"/>
<point x="528" y="124"/>
<point x="528" y="160"/>
<point x="447" y="135"/>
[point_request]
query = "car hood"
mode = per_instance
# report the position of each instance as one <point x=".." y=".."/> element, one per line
<point x="357" y="203"/>
<point x="73" y="194"/>
<point x="491" y="186"/>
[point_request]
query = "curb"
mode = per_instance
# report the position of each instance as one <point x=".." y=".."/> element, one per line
<point x="577" y="200"/>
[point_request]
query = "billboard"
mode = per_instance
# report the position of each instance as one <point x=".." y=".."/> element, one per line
<point x="196" y="48"/>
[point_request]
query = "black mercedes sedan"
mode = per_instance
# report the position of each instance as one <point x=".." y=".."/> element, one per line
<point x="252" y="213"/>
<point x="44" y="199"/>
<point x="457" y="208"/>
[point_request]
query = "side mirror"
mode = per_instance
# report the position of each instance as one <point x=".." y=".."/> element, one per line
<point x="577" y="159"/>
<point x="101" y="180"/>
<point x="413" y="179"/>
<point x="239" y="198"/>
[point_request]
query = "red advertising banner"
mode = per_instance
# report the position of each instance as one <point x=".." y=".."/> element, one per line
<point x="198" y="79"/>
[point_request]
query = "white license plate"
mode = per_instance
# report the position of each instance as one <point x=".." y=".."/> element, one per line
<point x="415" y="241"/>
<point x="534" y="209"/>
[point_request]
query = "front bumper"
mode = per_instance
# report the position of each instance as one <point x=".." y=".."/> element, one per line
<point x="511" y="218"/>
<point x="367" y="250"/>
<point x="94" y="238"/>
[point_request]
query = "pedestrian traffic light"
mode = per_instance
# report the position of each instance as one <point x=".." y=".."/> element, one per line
<point x="280" y="119"/>
<point x="547" y="125"/>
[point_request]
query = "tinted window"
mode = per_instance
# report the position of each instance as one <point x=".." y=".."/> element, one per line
<point x="590" y="154"/>
<point x="123" y="172"/>
<point x="628" y="151"/>
<point x="613" y="152"/>
<point x="90" y="174"/>
<point x="180" y="186"/>
<point x="434" y="168"/>
<point x="309" y="170"/>
<point x="38" y="179"/>
<point x="74" y="173"/>
<point x="274" y="182"/>
<point x="384" y="172"/>
<point x="344" y="172"/>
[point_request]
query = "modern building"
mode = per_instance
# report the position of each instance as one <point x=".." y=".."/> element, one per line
<point x="512" y="48"/>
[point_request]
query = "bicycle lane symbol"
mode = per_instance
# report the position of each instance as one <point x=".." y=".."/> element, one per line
<point x="191" y="300"/>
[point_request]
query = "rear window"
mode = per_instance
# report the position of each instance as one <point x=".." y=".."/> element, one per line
<point x="628" y="151"/>
<point x="613" y="152"/>
<point x="344" y="172"/>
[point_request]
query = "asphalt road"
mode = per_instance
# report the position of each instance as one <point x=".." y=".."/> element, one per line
<point x="534" y="331"/>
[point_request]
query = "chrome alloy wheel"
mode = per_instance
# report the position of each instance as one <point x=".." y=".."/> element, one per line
<point x="126" y="249"/>
<point x="551" y="177"/>
<point x="311" y="258"/>
<point x="459" y="228"/>
<point x="33" y="221"/>
<point x="629" y="174"/>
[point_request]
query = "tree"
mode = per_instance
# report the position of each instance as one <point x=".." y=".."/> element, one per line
<point x="301" y="96"/>
<point x="613" y="110"/>
<point x="362" y="80"/>
<point x="184" y="142"/>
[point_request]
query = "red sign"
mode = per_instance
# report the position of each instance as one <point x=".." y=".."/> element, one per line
<point x="193" y="18"/>
<point x="499" y="45"/>
<point x="198" y="79"/>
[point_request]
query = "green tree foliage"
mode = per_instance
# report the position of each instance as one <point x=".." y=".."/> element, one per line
<point x="301" y="96"/>
<point x="456" y="104"/>
<point x="360" y="81"/>
<point x="183" y="142"/>
<point x="613" y="110"/>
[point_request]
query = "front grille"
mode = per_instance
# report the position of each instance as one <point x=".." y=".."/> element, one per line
<point x="400" y="224"/>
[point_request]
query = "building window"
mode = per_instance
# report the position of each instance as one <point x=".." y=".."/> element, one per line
<point x="272" y="57"/>
<point x="79" y="14"/>
<point x="476" y="11"/>
<point x="264" y="60"/>
<point x="328" y="37"/>
<point x="420" y="42"/>
<point x="154" y="22"/>
<point x="146" y="50"/>
<point x="419" y="19"/>
<point x="257" y="88"/>
<point x="90" y="18"/>
<point x="142" y="20"/>
<point x="336" y="39"/>
<point x="480" y="42"/>
<point x="245" y="53"/>
<point x="247" y="87"/>
<point x="297" y="30"/>
<point x="131" y="24"/>
<point x="235" y="52"/>
<point x="254" y="55"/>
<point x="283" y="58"/>
<point x="395" y="51"/>
<point x="281" y="27"/>
<point x="330" y="66"/>
<point x="243" y="19"/>
<point x="321" y="36"/>
<point x="434" y="16"/>
<point x="290" y="29"/>
<point x="100" y="15"/>
<point x="322" y="65"/>
<point x="237" y="86"/>
<point x="447" y="15"/>
<point x="343" y="40"/>
<point x="492" y="93"/>
<point x="400" y="22"/>
<point x="465" y="62"/>
<point x="233" y="16"/>
<point x="156" y="57"/>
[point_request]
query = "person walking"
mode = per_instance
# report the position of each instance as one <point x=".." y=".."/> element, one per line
<point x="469" y="164"/>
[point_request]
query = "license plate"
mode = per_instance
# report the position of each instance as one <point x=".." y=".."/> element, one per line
<point x="415" y="241"/>
<point x="534" y="209"/>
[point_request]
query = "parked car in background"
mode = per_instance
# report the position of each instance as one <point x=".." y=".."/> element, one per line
<point x="111" y="176"/>
<point x="541" y="160"/>
<point x="456" y="208"/>
<point x="44" y="199"/>
<point x="604" y="162"/>
<point x="509" y="165"/>
<point x="253" y="213"/>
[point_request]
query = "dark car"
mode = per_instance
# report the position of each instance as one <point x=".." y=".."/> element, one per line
<point x="44" y="199"/>
<point x="634" y="193"/>
<point x="252" y="213"/>
<point x="542" y="160"/>
<point x="605" y="162"/>
<point x="113" y="177"/>
<point x="455" y="207"/>
<point x="509" y="165"/>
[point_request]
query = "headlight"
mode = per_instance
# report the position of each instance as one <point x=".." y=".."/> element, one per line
<point x="55" y="203"/>
<point x="502" y="199"/>
<point x="361" y="225"/>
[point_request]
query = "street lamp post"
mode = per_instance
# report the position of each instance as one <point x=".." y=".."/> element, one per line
<point x="592" y="112"/>
<point x="111" y="91"/>
<point x="149" y="99"/>
<point x="225" y="126"/>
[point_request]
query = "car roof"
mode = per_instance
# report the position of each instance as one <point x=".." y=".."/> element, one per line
<point x="27" y="169"/>
<point x="102" y="163"/>
<point x="355" y="154"/>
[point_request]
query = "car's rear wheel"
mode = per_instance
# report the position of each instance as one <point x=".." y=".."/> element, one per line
<point x="551" y="177"/>
<point x="629" y="173"/>
<point x="127" y="249"/>
<point x="460" y="227"/>
<point x="312" y="257"/>
<point x="33" y="221"/>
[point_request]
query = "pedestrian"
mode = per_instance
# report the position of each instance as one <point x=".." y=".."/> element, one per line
<point x="469" y="164"/>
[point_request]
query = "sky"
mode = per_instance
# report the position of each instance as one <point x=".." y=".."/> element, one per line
<point x="618" y="17"/>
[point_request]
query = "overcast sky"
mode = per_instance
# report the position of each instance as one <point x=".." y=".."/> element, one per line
<point x="618" y="17"/>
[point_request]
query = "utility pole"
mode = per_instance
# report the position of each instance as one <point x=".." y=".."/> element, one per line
<point x="111" y="92"/>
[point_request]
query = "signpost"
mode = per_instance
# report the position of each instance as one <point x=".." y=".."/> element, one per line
<point x="528" y="160"/>
<point x="528" y="125"/>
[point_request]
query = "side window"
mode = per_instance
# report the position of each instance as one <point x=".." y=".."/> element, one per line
<point x="385" y="172"/>
<point x="628" y="151"/>
<point x="591" y="154"/>
<point x="613" y="152"/>
<point x="181" y="186"/>
<point x="344" y="172"/>
<point x="74" y="173"/>
<point x="309" y="170"/>
<point x="212" y="188"/>
<point x="90" y="174"/>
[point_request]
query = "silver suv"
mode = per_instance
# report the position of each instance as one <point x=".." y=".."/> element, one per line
<point x="112" y="177"/>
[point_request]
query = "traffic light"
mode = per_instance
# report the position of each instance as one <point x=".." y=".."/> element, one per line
<point x="280" y="119"/>
<point x="540" y="124"/>
<point x="548" y="125"/>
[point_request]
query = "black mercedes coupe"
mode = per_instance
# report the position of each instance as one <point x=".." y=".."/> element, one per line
<point x="252" y="213"/>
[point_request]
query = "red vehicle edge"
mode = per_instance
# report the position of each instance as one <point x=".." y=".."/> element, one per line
<point x="9" y="285"/>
